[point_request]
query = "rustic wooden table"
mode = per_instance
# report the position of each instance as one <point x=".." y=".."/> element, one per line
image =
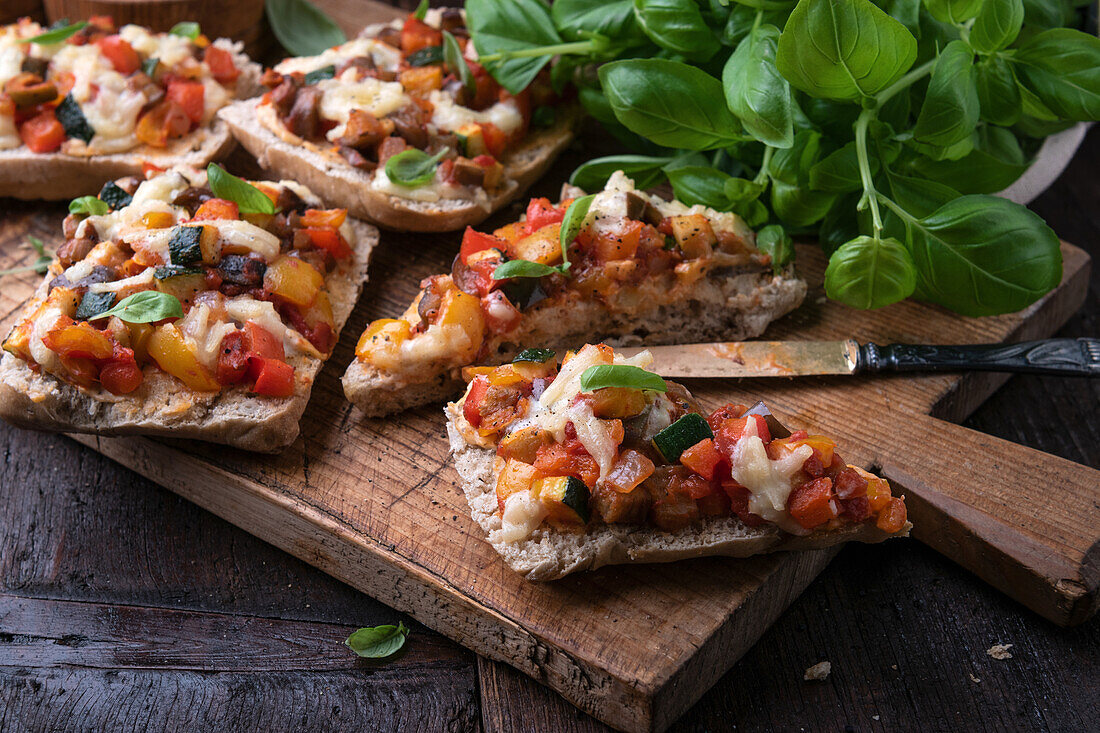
<point x="123" y="607"/>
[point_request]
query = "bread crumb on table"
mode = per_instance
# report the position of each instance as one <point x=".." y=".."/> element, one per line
<point x="1000" y="651"/>
<point x="974" y="679"/>
<point x="819" y="671"/>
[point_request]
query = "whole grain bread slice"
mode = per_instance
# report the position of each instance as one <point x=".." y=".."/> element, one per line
<point x="163" y="405"/>
<point x="549" y="554"/>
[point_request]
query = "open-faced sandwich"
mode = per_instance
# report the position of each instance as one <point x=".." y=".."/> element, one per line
<point x="622" y="266"/>
<point x="87" y="103"/>
<point x="403" y="128"/>
<point x="606" y="463"/>
<point x="186" y="307"/>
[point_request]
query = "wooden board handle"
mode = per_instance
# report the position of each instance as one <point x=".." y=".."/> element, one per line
<point x="1025" y="521"/>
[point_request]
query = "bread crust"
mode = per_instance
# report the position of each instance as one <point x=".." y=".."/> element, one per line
<point x="549" y="554"/>
<point x="164" y="406"/>
<point x="342" y="185"/>
<point x="732" y="307"/>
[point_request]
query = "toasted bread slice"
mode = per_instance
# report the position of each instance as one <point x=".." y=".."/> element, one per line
<point x="164" y="406"/>
<point x="342" y="185"/>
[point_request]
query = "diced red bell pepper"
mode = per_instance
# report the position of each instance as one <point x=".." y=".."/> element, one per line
<point x="540" y="213"/>
<point x="121" y="375"/>
<point x="416" y="34"/>
<point x="892" y="517"/>
<point x="725" y="412"/>
<point x="849" y="484"/>
<point x="220" y="63"/>
<point x="275" y="377"/>
<point x="120" y="53"/>
<point x="330" y="241"/>
<point x="702" y="458"/>
<point x="567" y="459"/>
<point x="474" y="241"/>
<point x="739" y="503"/>
<point x="217" y="209"/>
<point x="42" y="133"/>
<point x="479" y="387"/>
<point x="189" y="96"/>
<point x="495" y="139"/>
<point x="324" y="218"/>
<point x="233" y="358"/>
<point x="857" y="508"/>
<point x="261" y="342"/>
<point x="812" y="504"/>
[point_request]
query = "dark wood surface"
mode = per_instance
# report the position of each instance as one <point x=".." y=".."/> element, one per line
<point x="123" y="607"/>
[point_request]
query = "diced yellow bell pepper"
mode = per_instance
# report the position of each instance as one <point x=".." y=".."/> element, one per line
<point x="169" y="350"/>
<point x="421" y="80"/>
<point x="380" y="342"/>
<point x="694" y="235"/>
<point x="523" y="445"/>
<point x="464" y="311"/>
<point x="515" y="477"/>
<point x="158" y="220"/>
<point x="294" y="280"/>
<point x="140" y="333"/>
<point x="542" y="246"/>
<point x="475" y="140"/>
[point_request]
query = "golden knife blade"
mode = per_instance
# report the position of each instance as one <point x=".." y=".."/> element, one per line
<point x="752" y="358"/>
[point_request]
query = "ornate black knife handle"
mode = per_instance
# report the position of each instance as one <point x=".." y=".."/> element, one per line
<point x="1065" y="357"/>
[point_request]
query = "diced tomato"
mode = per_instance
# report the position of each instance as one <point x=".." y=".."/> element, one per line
<point x="725" y="412"/>
<point x="892" y="518"/>
<point x="813" y="465"/>
<point x="567" y="459"/>
<point x="220" y="63"/>
<point x="42" y="133"/>
<point x="702" y="458"/>
<point x="121" y="375"/>
<point x="217" y="209"/>
<point x="619" y="243"/>
<point x="500" y="315"/>
<point x="474" y="241"/>
<point x="275" y="378"/>
<point x="857" y="508"/>
<point x="416" y="34"/>
<point x="495" y="139"/>
<point x="812" y="504"/>
<point x="120" y="53"/>
<point x="540" y="213"/>
<point x="163" y="122"/>
<point x="329" y="240"/>
<point x="696" y="487"/>
<point x="233" y="358"/>
<point x="470" y="410"/>
<point x="849" y="484"/>
<point x="262" y="343"/>
<point x="189" y="96"/>
<point x="324" y="218"/>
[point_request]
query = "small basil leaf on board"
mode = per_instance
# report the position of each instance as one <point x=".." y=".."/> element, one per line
<point x="670" y="103"/>
<point x="953" y="11"/>
<point x="186" y="29"/>
<point x="997" y="25"/>
<point x="56" y="35"/>
<point x="146" y="307"/>
<point x="376" y="642"/>
<point x="620" y="375"/>
<point x="571" y="225"/>
<point x="88" y="205"/>
<point x="1062" y="68"/>
<point x="522" y="268"/>
<point x="998" y="93"/>
<point x="301" y="28"/>
<point x="538" y="356"/>
<point x="645" y="170"/>
<point x="775" y="241"/>
<point x="984" y="255"/>
<point x="678" y="26"/>
<point x="950" y="110"/>
<point x="413" y="167"/>
<point x="755" y="90"/>
<point x="249" y="199"/>
<point x="843" y="49"/>
<point x="498" y="27"/>
<point x="421" y="10"/>
<point x="870" y="273"/>
<point x="456" y="62"/>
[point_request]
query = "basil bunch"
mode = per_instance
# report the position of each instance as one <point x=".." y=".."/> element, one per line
<point x="881" y="126"/>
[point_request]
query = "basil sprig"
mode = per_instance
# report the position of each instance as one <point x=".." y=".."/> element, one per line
<point x="620" y="375"/>
<point x="186" y="29"/>
<point x="56" y="35"/>
<point x="249" y="199"/>
<point x="302" y="28"/>
<point x="539" y="356"/>
<point x="89" y="206"/>
<point x="453" y="58"/>
<point x="146" y="307"/>
<point x="41" y="264"/>
<point x="376" y="642"/>
<point x="413" y="167"/>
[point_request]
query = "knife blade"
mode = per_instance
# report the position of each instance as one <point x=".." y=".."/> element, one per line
<point x="1064" y="357"/>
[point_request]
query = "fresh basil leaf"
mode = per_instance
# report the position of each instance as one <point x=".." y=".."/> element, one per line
<point x="838" y="172"/>
<point x="756" y="92"/>
<point x="843" y="49"/>
<point x="499" y="27"/>
<point x="798" y="206"/>
<point x="146" y="307"/>
<point x="186" y="29"/>
<point x="426" y="56"/>
<point x="1044" y="14"/>
<point x="325" y="72"/>
<point x="301" y="28"/>
<point x="741" y="191"/>
<point x="998" y="93"/>
<point x="543" y="116"/>
<point x="1062" y="67"/>
<point x="89" y="206"/>
<point x="421" y="11"/>
<point x="918" y="196"/>
<point x="413" y="167"/>
<point x="452" y="56"/>
<point x="678" y="26"/>
<point x="700" y="185"/>
<point x="670" y="103"/>
<point x="840" y="223"/>
<point x="997" y="25"/>
<point x="753" y="212"/>
<point x="950" y="110"/>
<point x="906" y="12"/>
<point x="575" y="19"/>
<point x="376" y="642"/>
<point x="249" y="199"/>
<point x="976" y="172"/>
<point x="645" y="170"/>
<point x="37" y="245"/>
<point x="953" y="11"/>
<point x="538" y="356"/>
<point x="620" y="375"/>
<point x="571" y="225"/>
<point x="56" y="35"/>
<point x="984" y="255"/>
<point x="775" y="241"/>
<point x="149" y="66"/>
<point x="833" y="118"/>
<point x="870" y="273"/>
<point x="522" y="268"/>
<point x="598" y="107"/>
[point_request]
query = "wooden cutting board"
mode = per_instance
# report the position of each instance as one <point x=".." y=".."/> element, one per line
<point x="376" y="502"/>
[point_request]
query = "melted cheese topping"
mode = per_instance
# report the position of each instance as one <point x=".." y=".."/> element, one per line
<point x="769" y="482"/>
<point x="103" y="94"/>
<point x="449" y="116"/>
<point x="522" y="515"/>
<point x="428" y="192"/>
<point x="385" y="57"/>
<point x="169" y="49"/>
<point x="347" y="92"/>
<point x="204" y="333"/>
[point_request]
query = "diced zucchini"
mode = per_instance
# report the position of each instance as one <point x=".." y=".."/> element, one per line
<point x="114" y="196"/>
<point x="475" y="140"/>
<point x="73" y="120"/>
<point x="325" y="72"/>
<point x="92" y="304"/>
<point x="681" y="435"/>
<point x="166" y="272"/>
<point x="182" y="282"/>
<point x="185" y="246"/>
<point x="565" y="497"/>
<point x="540" y="356"/>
